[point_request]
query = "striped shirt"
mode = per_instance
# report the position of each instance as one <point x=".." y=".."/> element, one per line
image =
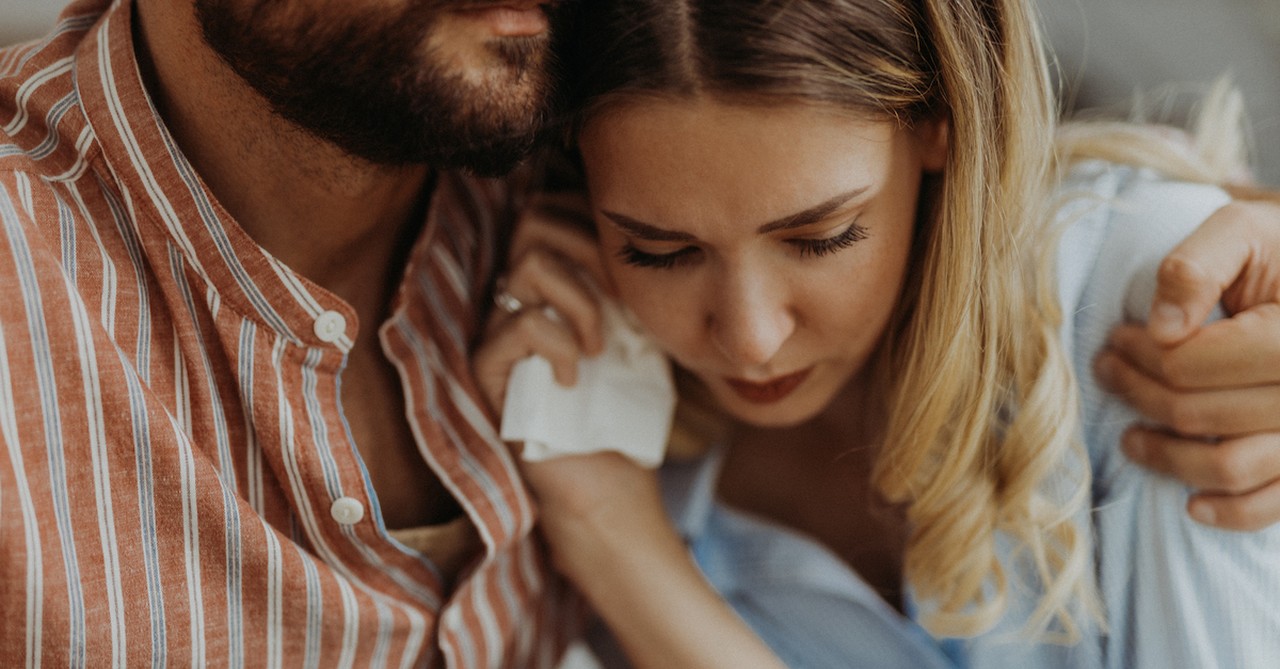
<point x="177" y="482"/>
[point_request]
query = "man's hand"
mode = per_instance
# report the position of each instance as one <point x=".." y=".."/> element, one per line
<point x="1214" y="389"/>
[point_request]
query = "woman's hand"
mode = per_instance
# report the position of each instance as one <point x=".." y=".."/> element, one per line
<point x="545" y="305"/>
<point x="549" y="305"/>
<point x="601" y="513"/>
<point x="551" y="310"/>
<point x="591" y="504"/>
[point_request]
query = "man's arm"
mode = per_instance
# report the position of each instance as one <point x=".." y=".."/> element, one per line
<point x="1216" y="387"/>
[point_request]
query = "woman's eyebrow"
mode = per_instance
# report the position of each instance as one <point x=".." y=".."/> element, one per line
<point x="812" y="214"/>
<point x="642" y="230"/>
<point x="650" y="232"/>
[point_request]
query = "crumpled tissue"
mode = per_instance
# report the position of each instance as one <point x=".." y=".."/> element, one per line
<point x="624" y="400"/>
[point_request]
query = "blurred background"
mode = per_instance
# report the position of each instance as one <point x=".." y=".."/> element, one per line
<point x="22" y="19"/>
<point x="1108" y="51"/>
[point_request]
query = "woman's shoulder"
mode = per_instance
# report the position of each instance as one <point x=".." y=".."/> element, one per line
<point x="1116" y="223"/>
<point x="1097" y="192"/>
<point x="1102" y="191"/>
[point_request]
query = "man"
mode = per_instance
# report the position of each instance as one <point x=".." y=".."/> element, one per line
<point x="237" y="289"/>
<point x="239" y="273"/>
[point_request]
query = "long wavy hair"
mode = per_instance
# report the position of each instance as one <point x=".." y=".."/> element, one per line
<point x="981" y="437"/>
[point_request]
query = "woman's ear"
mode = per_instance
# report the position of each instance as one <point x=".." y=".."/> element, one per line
<point x="935" y="140"/>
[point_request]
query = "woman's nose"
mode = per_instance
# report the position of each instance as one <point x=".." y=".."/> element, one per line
<point x="751" y="322"/>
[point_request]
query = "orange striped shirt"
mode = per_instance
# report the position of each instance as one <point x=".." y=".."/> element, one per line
<point x="178" y="485"/>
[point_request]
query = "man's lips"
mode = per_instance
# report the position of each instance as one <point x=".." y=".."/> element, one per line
<point x="768" y="392"/>
<point x="511" y="19"/>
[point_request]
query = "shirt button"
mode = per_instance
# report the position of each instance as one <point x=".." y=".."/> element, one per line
<point x="330" y="326"/>
<point x="347" y="510"/>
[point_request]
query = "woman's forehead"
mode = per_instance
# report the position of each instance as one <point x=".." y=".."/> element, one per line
<point x="677" y="158"/>
<point x="706" y="110"/>
<point x="716" y="138"/>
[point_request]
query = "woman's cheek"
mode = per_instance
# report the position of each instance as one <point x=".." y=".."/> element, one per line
<point x="662" y="313"/>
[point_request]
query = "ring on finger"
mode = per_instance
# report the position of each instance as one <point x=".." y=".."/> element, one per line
<point x="504" y="300"/>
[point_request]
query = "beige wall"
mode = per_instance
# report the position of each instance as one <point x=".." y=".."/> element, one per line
<point x="1111" y="49"/>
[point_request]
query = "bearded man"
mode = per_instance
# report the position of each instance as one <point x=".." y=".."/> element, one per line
<point x="241" y="269"/>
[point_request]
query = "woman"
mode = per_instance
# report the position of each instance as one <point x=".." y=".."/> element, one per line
<point x="841" y="219"/>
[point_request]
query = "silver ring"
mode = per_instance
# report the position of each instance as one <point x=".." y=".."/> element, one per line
<point x="506" y="301"/>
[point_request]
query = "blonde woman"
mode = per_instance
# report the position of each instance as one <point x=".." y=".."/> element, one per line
<point x="842" y="219"/>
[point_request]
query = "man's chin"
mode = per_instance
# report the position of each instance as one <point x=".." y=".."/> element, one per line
<point x="446" y="124"/>
<point x="378" y="93"/>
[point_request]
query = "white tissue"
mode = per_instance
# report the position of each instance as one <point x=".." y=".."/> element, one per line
<point x="623" y="401"/>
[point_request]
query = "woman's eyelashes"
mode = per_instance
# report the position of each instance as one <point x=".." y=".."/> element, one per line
<point x="821" y="247"/>
<point x="683" y="256"/>
<point x="634" y="256"/>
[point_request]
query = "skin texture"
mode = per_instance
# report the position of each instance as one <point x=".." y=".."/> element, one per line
<point x="735" y="299"/>
<point x="724" y="290"/>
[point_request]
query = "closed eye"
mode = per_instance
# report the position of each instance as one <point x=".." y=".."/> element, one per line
<point x="821" y="247"/>
<point x="634" y="256"/>
<point x="689" y="254"/>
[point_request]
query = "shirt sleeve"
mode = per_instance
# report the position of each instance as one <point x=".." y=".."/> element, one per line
<point x="1177" y="593"/>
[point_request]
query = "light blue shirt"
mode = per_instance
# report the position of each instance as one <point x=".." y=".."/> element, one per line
<point x="1177" y="594"/>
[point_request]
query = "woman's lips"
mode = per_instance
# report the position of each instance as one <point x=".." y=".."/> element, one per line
<point x="768" y="392"/>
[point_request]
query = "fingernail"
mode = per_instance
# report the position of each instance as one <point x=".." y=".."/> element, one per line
<point x="1203" y="513"/>
<point x="1168" y="320"/>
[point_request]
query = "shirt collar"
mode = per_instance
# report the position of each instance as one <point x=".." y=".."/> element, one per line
<point x="166" y="198"/>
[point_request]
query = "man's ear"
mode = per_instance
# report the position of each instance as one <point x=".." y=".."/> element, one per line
<point x="935" y="142"/>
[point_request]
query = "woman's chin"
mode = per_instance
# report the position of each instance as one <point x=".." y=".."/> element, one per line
<point x="777" y="415"/>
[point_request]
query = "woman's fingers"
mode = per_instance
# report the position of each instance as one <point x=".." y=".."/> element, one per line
<point x="561" y="224"/>
<point x="541" y="280"/>
<point x="553" y="262"/>
<point x="545" y="304"/>
<point x="530" y="332"/>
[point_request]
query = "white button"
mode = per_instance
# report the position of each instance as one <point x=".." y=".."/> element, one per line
<point x="330" y="326"/>
<point x="347" y="510"/>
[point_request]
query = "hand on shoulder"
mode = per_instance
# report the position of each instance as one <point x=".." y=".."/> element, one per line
<point x="1214" y="389"/>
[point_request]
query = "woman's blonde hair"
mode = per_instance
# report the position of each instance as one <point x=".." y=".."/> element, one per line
<point x="982" y="435"/>
<point x="1214" y="149"/>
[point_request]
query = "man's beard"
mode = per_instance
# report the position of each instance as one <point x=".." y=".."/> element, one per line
<point x="363" y="84"/>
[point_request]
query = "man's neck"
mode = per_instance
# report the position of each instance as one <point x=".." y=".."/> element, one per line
<point x="333" y="218"/>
